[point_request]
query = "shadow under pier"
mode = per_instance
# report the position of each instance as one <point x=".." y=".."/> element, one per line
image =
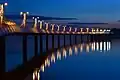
<point x="27" y="67"/>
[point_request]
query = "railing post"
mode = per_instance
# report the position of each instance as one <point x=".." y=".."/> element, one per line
<point x="46" y="42"/>
<point x="2" y="54"/>
<point x="78" y="38"/>
<point x="92" y="37"/>
<point x="58" y="40"/>
<point x="70" y="40"/>
<point x="81" y="37"/>
<point x="24" y="48"/>
<point x="36" y="45"/>
<point x="75" y="39"/>
<point x="87" y="37"/>
<point x="64" y="40"/>
<point x="41" y="44"/>
<point x="53" y="41"/>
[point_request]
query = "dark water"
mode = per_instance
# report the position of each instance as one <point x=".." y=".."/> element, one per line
<point x="14" y="49"/>
<point x="86" y="62"/>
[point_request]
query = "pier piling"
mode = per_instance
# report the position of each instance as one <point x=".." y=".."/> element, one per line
<point x="2" y="54"/>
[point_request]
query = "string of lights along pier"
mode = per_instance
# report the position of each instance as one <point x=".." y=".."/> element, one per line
<point x="41" y="26"/>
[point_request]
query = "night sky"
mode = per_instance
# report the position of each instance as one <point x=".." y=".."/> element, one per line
<point x="85" y="10"/>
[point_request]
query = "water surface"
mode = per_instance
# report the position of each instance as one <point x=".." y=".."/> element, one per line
<point x="86" y="61"/>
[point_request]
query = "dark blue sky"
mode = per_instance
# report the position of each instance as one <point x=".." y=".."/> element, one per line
<point x="85" y="10"/>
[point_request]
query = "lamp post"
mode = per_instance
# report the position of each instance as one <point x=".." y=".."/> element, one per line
<point x="70" y="29"/>
<point x="24" y="14"/>
<point x="75" y="30"/>
<point x="92" y="30"/>
<point x="47" y="25"/>
<point x="97" y="31"/>
<point x="35" y="21"/>
<point x="53" y="25"/>
<point x="101" y="31"/>
<point x="58" y="28"/>
<point x="87" y="30"/>
<point x="64" y="28"/>
<point x="81" y="30"/>
<point x="2" y="12"/>
<point x="41" y="23"/>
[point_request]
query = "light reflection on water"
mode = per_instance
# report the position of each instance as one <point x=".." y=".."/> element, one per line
<point x="103" y="46"/>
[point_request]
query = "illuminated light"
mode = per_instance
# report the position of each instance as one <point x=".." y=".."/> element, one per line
<point x="36" y="74"/>
<point x="70" y="51"/>
<point x="73" y="32"/>
<point x="58" y="55"/>
<point x="81" y="29"/>
<point x="24" y="18"/>
<point x="101" y="46"/>
<point x="47" y="24"/>
<point x="52" y="31"/>
<point x="87" y="30"/>
<point x="13" y="29"/>
<point x="93" y="33"/>
<point x="64" y="53"/>
<point x="37" y="17"/>
<point x="62" y="32"/>
<point x="97" y="46"/>
<point x="93" y="46"/>
<point x="104" y="30"/>
<point x="9" y="29"/>
<point x="42" y="68"/>
<point x="92" y="29"/>
<point x="87" y="48"/>
<point x="33" y="76"/>
<point x="41" y="24"/>
<point x="78" y="32"/>
<point x="101" y="30"/>
<point x="76" y="50"/>
<point x="57" y="31"/>
<point x="21" y="13"/>
<point x="53" y="25"/>
<point x="70" y="29"/>
<point x="43" y="30"/>
<point x="64" y="27"/>
<point x="35" y="23"/>
<point x="81" y="47"/>
<point x="53" y="58"/>
<point x="68" y="32"/>
<point x="47" y="31"/>
<point x="27" y="12"/>
<point x="33" y="17"/>
<point x="75" y="29"/>
<point x="104" y="46"/>
<point x="109" y="47"/>
<point x="48" y="62"/>
<point x="97" y="30"/>
<point x="90" y="32"/>
<point x="5" y="4"/>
